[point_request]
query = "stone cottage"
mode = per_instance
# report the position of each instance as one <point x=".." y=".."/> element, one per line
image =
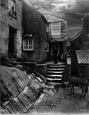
<point x="11" y="28"/>
<point x="34" y="34"/>
<point x="80" y="42"/>
<point x="57" y="34"/>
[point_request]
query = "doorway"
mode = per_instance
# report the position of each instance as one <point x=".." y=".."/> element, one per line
<point x="59" y="46"/>
<point x="60" y="56"/>
<point x="11" y="46"/>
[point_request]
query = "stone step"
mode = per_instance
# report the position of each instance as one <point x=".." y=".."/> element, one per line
<point x="56" y="82"/>
<point x="55" y="72"/>
<point x="55" y="75"/>
<point x="56" y="69"/>
<point x="59" y="63"/>
<point x="53" y="83"/>
<point x="53" y="79"/>
<point x="56" y="66"/>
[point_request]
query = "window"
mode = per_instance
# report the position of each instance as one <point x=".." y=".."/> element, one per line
<point x="64" y="27"/>
<point x="12" y="7"/>
<point x="28" y="45"/>
<point x="56" y="28"/>
<point x="47" y="47"/>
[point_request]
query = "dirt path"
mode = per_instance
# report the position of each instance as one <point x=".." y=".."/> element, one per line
<point x="62" y="102"/>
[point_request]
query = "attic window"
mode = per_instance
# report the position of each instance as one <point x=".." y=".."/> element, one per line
<point x="28" y="45"/>
<point x="56" y="28"/>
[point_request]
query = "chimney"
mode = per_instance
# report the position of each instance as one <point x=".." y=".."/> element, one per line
<point x="86" y="24"/>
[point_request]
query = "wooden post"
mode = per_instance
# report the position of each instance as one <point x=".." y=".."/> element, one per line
<point x="74" y="62"/>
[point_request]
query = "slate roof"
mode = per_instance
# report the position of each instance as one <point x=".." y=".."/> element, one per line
<point x="51" y="18"/>
<point x="76" y="36"/>
<point x="33" y="20"/>
<point x="72" y="31"/>
<point x="81" y="41"/>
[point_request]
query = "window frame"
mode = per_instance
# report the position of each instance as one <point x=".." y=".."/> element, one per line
<point x="10" y="12"/>
<point x="47" y="47"/>
<point x="56" y="31"/>
<point x="56" y="25"/>
<point x="28" y="49"/>
<point x="63" y="27"/>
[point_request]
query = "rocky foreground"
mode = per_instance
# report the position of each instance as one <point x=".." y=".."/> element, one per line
<point x="21" y="89"/>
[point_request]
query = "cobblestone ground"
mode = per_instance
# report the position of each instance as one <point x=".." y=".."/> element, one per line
<point x="62" y="102"/>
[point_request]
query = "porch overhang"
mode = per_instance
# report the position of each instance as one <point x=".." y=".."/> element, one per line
<point x="59" y="39"/>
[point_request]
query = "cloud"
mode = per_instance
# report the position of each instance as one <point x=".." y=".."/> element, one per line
<point x="36" y="1"/>
<point x="58" y="7"/>
<point x="71" y="10"/>
<point x="43" y="11"/>
<point x="62" y="5"/>
<point x="54" y="5"/>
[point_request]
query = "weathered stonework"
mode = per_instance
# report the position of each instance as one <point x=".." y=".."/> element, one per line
<point x="80" y="43"/>
<point x="7" y="21"/>
<point x="35" y="24"/>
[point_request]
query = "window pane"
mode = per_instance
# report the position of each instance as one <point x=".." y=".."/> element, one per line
<point x="26" y="47"/>
<point x="12" y="7"/>
<point x="28" y="44"/>
<point x="30" y="47"/>
<point x="55" y="27"/>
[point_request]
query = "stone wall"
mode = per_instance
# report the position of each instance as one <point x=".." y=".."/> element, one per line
<point x="83" y="60"/>
<point x="83" y="56"/>
<point x="7" y="21"/>
<point x="34" y="23"/>
<point x="84" y="70"/>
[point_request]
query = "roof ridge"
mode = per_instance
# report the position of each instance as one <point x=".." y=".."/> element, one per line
<point x="79" y="33"/>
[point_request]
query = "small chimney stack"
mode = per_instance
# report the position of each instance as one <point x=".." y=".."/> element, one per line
<point x="86" y="24"/>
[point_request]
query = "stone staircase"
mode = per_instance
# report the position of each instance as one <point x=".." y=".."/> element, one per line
<point x="55" y="73"/>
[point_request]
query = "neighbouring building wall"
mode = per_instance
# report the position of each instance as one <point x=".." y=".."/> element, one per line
<point x="81" y="45"/>
<point x="57" y="34"/>
<point x="58" y="30"/>
<point x="34" y="24"/>
<point x="83" y="61"/>
<point x="83" y="56"/>
<point x="7" y="21"/>
<point x="81" y="42"/>
<point x="85" y="26"/>
<point x="55" y="29"/>
<point x="0" y="16"/>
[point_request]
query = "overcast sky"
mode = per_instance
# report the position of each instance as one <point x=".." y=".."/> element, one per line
<point x="71" y="10"/>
